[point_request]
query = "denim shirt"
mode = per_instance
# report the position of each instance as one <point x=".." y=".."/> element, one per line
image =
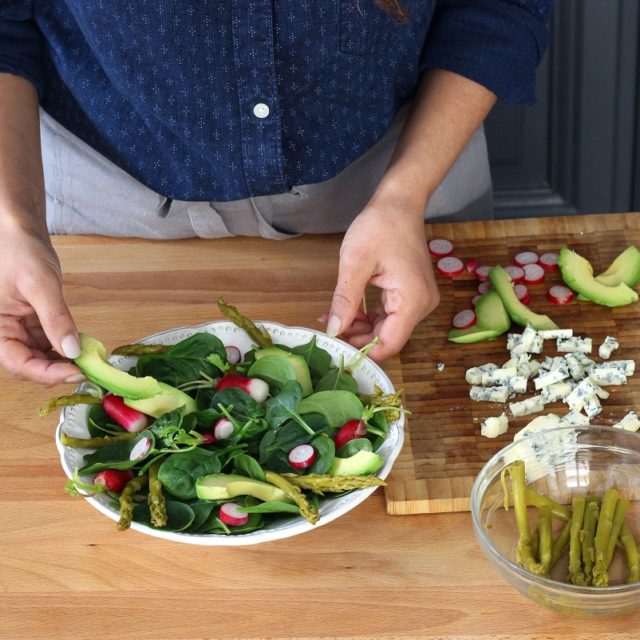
<point x="217" y="100"/>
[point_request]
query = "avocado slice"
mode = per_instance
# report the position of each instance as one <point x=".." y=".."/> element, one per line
<point x="492" y="321"/>
<point x="362" y="463"/>
<point x="577" y="272"/>
<point x="277" y="366"/>
<point x="224" y="486"/>
<point x="625" y="268"/>
<point x="519" y="313"/>
<point x="144" y="394"/>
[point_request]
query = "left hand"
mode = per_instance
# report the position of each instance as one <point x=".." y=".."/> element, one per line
<point x="386" y="247"/>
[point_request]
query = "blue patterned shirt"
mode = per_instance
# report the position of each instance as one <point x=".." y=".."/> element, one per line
<point x="222" y="99"/>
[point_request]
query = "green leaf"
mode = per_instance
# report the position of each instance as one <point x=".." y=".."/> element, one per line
<point x="179" y="516"/>
<point x="337" y="406"/>
<point x="353" y="446"/>
<point x="271" y="506"/>
<point x="178" y="473"/>
<point x="318" y="360"/>
<point x="116" y="455"/>
<point x="245" y="465"/>
<point x="283" y="406"/>
<point x="337" y="379"/>
<point x="239" y="403"/>
<point x="326" y="450"/>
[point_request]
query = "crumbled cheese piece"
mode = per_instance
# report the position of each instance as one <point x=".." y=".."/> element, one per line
<point x="628" y="367"/>
<point x="534" y="404"/>
<point x="494" y="426"/>
<point x="528" y="368"/>
<point x="538" y="424"/>
<point x="517" y="384"/>
<point x="609" y="345"/>
<point x="574" y="419"/>
<point x="577" y="397"/>
<point x="551" y="377"/>
<point x="557" y="391"/>
<point x="440" y="366"/>
<point x="571" y="345"/>
<point x="575" y="368"/>
<point x="554" y="334"/>
<point x="607" y="376"/>
<point x="497" y="376"/>
<point x="592" y="406"/>
<point x="550" y="364"/>
<point x="489" y="394"/>
<point x="630" y="422"/>
<point x="474" y="375"/>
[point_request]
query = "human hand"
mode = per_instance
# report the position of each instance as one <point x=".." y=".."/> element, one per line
<point x="35" y="323"/>
<point x="386" y="247"/>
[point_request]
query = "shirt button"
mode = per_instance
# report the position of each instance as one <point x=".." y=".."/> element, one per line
<point x="261" y="110"/>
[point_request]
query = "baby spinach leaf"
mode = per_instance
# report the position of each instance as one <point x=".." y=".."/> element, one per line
<point x="336" y="406"/>
<point x="179" y="515"/>
<point x="99" y="423"/>
<point x="272" y="506"/>
<point x="201" y="510"/>
<point x="326" y="450"/>
<point x="337" y="379"/>
<point x="116" y="455"/>
<point x="317" y="359"/>
<point x="185" y="361"/>
<point x="245" y="465"/>
<point x="283" y="406"/>
<point x="178" y="474"/>
<point x="275" y="370"/>
<point x="353" y="446"/>
<point x="239" y="403"/>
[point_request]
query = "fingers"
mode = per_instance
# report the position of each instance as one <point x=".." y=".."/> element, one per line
<point x="354" y="271"/>
<point x="45" y="296"/>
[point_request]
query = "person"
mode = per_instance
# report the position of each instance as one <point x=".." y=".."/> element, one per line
<point x="272" y="118"/>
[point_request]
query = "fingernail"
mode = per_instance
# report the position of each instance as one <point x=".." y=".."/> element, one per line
<point x="78" y="377"/>
<point x="70" y="347"/>
<point x="333" y="326"/>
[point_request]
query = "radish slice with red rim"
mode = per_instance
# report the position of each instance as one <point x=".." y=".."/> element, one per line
<point x="439" y="247"/>
<point x="230" y="513"/>
<point x="560" y="294"/>
<point x="223" y="428"/>
<point x="302" y="456"/>
<point x="516" y="273"/>
<point x="464" y="319"/>
<point x="450" y="266"/>
<point x="471" y="266"/>
<point x="526" y="257"/>
<point x="482" y="273"/>
<point x="140" y="449"/>
<point x="233" y="354"/>
<point x="484" y="286"/>
<point x="522" y="293"/>
<point x="549" y="261"/>
<point x="533" y="273"/>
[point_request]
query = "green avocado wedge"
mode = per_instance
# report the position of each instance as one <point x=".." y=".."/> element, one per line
<point x="625" y="268"/>
<point x="492" y="321"/>
<point x="577" y="272"/>
<point x="518" y="312"/>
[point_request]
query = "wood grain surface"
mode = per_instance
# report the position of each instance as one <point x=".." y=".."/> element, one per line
<point x="66" y="573"/>
<point x="444" y="450"/>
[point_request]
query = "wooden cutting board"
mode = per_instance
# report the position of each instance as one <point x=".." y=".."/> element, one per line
<point x="444" y="450"/>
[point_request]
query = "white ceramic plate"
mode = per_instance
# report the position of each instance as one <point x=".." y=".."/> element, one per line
<point x="73" y="421"/>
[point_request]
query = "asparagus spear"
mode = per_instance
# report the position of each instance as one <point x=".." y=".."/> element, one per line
<point x="576" y="575"/>
<point x="535" y="541"/>
<point x="94" y="443"/>
<point x="519" y="492"/>
<point x="560" y="543"/>
<point x="320" y="484"/>
<point x="258" y="334"/>
<point x="631" y="550"/>
<point x="155" y="499"/>
<point x="140" y="349"/>
<point x="546" y="539"/>
<point x="307" y="510"/>
<point x="601" y="541"/>
<point x="126" y="500"/>
<point x="618" y="520"/>
<point x="558" y="511"/>
<point x="67" y="401"/>
<point x="588" y="533"/>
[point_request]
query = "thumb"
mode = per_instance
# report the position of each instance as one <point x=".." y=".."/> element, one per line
<point x="354" y="272"/>
<point x="45" y="296"/>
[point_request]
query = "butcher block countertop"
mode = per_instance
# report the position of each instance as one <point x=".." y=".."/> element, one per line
<point x="65" y="572"/>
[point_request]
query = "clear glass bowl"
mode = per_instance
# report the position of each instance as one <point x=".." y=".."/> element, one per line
<point x="562" y="463"/>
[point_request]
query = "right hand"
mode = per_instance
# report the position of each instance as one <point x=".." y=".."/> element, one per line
<point x="37" y="332"/>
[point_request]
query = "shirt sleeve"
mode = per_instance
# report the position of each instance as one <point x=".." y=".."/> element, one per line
<point x="497" y="43"/>
<point x="21" y="42"/>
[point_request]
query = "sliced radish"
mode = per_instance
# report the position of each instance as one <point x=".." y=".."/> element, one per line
<point x="471" y="266"/>
<point x="302" y="456"/>
<point x="439" y="247"/>
<point x="256" y="388"/>
<point x="482" y="273"/>
<point x="533" y="273"/>
<point x="450" y="266"/>
<point x="230" y="513"/>
<point x="233" y="354"/>
<point x="464" y="319"/>
<point x="560" y="294"/>
<point x="222" y="429"/>
<point x="115" y="480"/>
<point x="549" y="261"/>
<point x="516" y="273"/>
<point x="140" y="449"/>
<point x="208" y="437"/>
<point x="349" y="431"/>
<point x="129" y="419"/>
<point x="474" y="300"/>
<point x="526" y="257"/>
<point x="522" y="293"/>
<point x="484" y="286"/>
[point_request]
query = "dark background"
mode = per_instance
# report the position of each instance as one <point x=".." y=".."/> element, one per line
<point x="578" y="149"/>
